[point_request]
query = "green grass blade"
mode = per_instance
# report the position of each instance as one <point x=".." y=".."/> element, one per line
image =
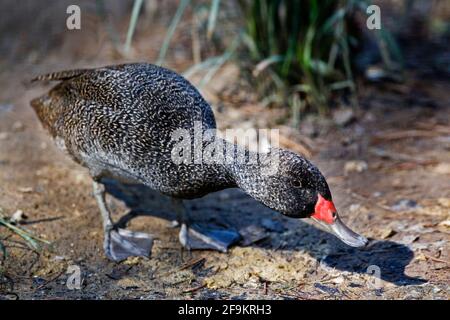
<point x="201" y="66"/>
<point x="342" y="85"/>
<point x="133" y="21"/>
<point x="392" y="47"/>
<point x="307" y="51"/>
<point x="212" y="19"/>
<point x="266" y="63"/>
<point x="249" y="42"/>
<point x="224" y="58"/>
<point x="173" y="25"/>
<point x="31" y="240"/>
<point x="331" y="21"/>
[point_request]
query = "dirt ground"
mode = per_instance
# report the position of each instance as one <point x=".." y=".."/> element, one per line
<point x="388" y="169"/>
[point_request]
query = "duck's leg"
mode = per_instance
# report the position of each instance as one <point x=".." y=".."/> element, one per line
<point x="198" y="237"/>
<point x="120" y="244"/>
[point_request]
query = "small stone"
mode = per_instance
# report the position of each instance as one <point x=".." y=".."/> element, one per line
<point x="18" y="126"/>
<point x="339" y="280"/>
<point x="375" y="73"/>
<point x="355" y="166"/>
<point x="343" y="116"/>
<point x="59" y="258"/>
<point x="25" y="189"/>
<point x="442" y="168"/>
<point x="354" y="207"/>
<point x="397" y="183"/>
<point x="387" y="233"/>
<point x="444" y="202"/>
<point x="445" y="223"/>
<point x="405" y="205"/>
<point x="3" y="135"/>
<point x="174" y="224"/>
<point x="377" y="194"/>
<point x="18" y="217"/>
<point x="409" y="239"/>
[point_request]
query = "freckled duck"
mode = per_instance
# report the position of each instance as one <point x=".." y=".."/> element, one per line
<point x="118" y="121"/>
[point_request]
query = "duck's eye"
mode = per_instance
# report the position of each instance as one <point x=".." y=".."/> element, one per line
<point x="296" y="183"/>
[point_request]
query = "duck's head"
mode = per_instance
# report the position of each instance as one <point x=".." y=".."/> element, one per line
<point x="293" y="186"/>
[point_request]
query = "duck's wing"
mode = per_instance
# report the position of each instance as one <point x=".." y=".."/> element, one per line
<point x="60" y="75"/>
<point x="70" y="74"/>
<point x="132" y="81"/>
<point x="151" y="91"/>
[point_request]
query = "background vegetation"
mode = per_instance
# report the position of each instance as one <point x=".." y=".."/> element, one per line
<point x="296" y="53"/>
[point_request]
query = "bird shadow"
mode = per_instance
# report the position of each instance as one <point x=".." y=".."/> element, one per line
<point x="385" y="259"/>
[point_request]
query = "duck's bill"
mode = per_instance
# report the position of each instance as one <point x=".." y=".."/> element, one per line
<point x="347" y="235"/>
<point x="325" y="214"/>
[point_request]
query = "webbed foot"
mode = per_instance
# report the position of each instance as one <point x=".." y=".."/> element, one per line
<point x="197" y="237"/>
<point x="120" y="244"/>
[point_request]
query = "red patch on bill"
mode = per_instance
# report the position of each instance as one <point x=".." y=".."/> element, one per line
<point x="324" y="210"/>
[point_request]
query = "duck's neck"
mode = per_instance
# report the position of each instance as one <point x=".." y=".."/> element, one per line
<point x="237" y="167"/>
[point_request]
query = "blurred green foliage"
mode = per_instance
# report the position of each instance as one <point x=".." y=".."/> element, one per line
<point x="300" y="48"/>
<point x="296" y="52"/>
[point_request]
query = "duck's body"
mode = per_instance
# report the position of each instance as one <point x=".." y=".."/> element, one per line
<point x="119" y="121"/>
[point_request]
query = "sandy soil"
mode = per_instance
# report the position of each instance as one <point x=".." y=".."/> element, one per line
<point x="389" y="171"/>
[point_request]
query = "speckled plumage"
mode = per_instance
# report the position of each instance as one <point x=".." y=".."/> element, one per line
<point x="118" y="120"/>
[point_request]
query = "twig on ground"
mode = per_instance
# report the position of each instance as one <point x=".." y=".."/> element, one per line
<point x="435" y="259"/>
<point x="50" y="281"/>
<point x="31" y="240"/>
<point x="401" y="157"/>
<point x="434" y="127"/>
<point x="405" y="134"/>
<point x="192" y="263"/>
<point x="195" y="288"/>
